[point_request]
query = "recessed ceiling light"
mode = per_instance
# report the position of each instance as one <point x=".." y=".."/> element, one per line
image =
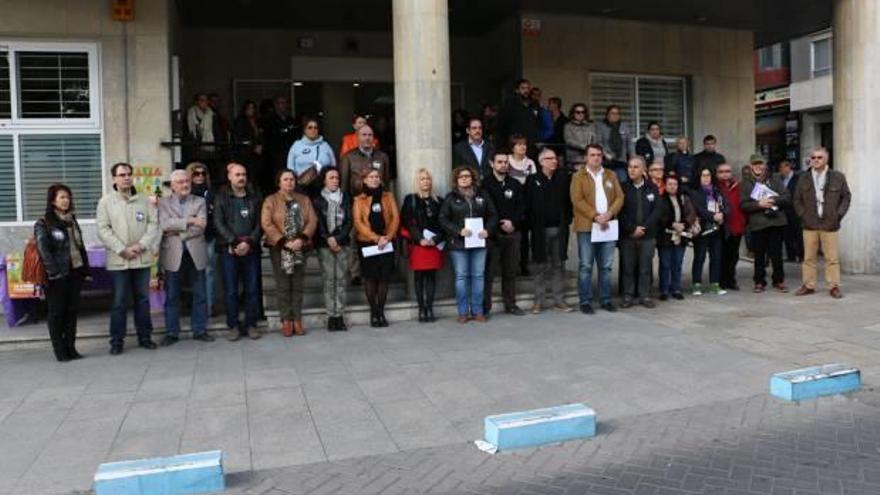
<point x="356" y="85"/>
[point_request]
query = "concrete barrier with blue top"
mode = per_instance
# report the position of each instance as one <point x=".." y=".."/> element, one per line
<point x="176" y="475"/>
<point x="816" y="381"/>
<point x="540" y="426"/>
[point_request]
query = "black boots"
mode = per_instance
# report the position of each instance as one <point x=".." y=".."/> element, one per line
<point x="377" y="318"/>
<point x="336" y="324"/>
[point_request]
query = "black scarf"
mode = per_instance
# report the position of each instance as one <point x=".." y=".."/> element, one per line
<point x="377" y="219"/>
<point x="616" y="140"/>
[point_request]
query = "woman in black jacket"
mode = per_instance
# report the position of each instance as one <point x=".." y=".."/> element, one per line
<point x="333" y="207"/>
<point x="678" y="223"/>
<point x="652" y="147"/>
<point x="463" y="202"/>
<point x="63" y="253"/>
<point x="712" y="209"/>
<point x="420" y="226"/>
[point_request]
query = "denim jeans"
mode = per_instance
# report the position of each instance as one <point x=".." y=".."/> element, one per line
<point x="173" y="283"/>
<point x="470" y="268"/>
<point x="711" y="245"/>
<point x="135" y="281"/>
<point x="601" y="253"/>
<point x="247" y="269"/>
<point x="671" y="258"/>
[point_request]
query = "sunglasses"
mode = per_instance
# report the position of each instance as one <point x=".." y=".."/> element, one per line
<point x="465" y="176"/>
<point x="580" y="111"/>
<point x="197" y="173"/>
<point x="817" y="157"/>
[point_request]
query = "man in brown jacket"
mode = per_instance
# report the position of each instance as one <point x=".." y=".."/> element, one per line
<point x="597" y="199"/>
<point x="356" y="162"/>
<point x="821" y="200"/>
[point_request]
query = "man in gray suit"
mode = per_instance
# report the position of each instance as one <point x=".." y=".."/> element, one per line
<point x="182" y="218"/>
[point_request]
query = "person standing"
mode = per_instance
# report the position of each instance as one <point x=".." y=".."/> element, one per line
<point x="549" y="214"/>
<point x="289" y="222"/>
<point x="279" y="132"/>
<point x="712" y="211"/>
<point x="350" y="140"/>
<point x="578" y="133"/>
<point x="762" y="198"/>
<point x="652" y="147"/>
<point x="128" y="228"/>
<point x="616" y="140"/>
<point x="247" y="141"/>
<point x="678" y="223"/>
<point x="200" y="128"/>
<point x="420" y="225"/>
<point x="682" y="164"/>
<point x="597" y="198"/>
<point x="794" y="239"/>
<point x="821" y="199"/>
<point x="520" y="115"/>
<point x="554" y="107"/>
<point x="333" y="209"/>
<point x="520" y="167"/>
<point x="200" y="180"/>
<point x="507" y="196"/>
<point x="734" y="225"/>
<point x="63" y="254"/>
<point x="639" y="221"/>
<point x="465" y="202"/>
<point x="237" y="223"/>
<point x="184" y="255"/>
<point x="363" y="157"/>
<point x="656" y="174"/>
<point x="308" y="156"/>
<point x="376" y="220"/>
<point x="709" y="157"/>
<point x="474" y="152"/>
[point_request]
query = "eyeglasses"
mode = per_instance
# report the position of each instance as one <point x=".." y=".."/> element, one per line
<point x="197" y="173"/>
<point x="580" y="111"/>
<point x="311" y="127"/>
<point x="465" y="176"/>
<point x="658" y="169"/>
<point x="725" y="171"/>
<point x="122" y="175"/>
<point x="819" y="157"/>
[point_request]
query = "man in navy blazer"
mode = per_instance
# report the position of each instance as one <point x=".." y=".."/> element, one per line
<point x="475" y="152"/>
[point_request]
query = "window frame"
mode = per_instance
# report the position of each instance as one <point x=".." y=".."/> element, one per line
<point x="638" y="130"/>
<point x="15" y="126"/>
<point x="828" y="36"/>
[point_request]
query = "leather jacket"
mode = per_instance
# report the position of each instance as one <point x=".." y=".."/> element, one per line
<point x="53" y="244"/>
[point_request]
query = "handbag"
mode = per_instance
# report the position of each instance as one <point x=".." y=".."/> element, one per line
<point x="32" y="269"/>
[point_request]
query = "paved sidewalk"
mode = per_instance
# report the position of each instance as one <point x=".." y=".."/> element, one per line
<point x="411" y="392"/>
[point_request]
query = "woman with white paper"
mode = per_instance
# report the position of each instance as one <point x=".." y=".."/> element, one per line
<point x="376" y="221"/>
<point x="467" y="216"/>
<point x="420" y="226"/>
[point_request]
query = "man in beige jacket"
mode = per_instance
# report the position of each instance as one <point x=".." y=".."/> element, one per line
<point x="128" y="228"/>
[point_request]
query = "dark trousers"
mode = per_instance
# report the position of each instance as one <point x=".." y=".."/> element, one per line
<point x="62" y="297"/>
<point x="729" y="260"/>
<point x="794" y="240"/>
<point x="134" y="281"/>
<point x="707" y="245"/>
<point x="671" y="258"/>
<point x="199" y="305"/>
<point x="247" y="269"/>
<point x="638" y="258"/>
<point x="503" y="259"/>
<point x="768" y="242"/>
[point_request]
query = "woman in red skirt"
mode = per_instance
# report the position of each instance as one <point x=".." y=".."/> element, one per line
<point x="421" y="227"/>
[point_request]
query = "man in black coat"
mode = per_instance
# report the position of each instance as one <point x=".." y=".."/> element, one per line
<point x="793" y="238"/>
<point x="709" y="157"/>
<point x="475" y="152"/>
<point x="549" y="213"/>
<point x="639" y="222"/>
<point x="507" y="196"/>
<point x="520" y="115"/>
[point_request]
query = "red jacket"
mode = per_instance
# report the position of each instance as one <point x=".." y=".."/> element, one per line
<point x="736" y="219"/>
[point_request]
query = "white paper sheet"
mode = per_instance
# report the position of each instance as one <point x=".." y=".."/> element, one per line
<point x="475" y="225"/>
<point x="761" y="191"/>
<point x="374" y="250"/>
<point x="428" y="235"/>
<point x="607" y="235"/>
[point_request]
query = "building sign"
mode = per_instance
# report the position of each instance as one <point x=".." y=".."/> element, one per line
<point x="772" y="98"/>
<point x="531" y="27"/>
<point x="147" y="179"/>
<point x="123" y="10"/>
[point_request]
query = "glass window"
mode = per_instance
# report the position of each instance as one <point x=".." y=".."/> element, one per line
<point x="53" y="85"/>
<point x="822" y="57"/>
<point x="5" y="96"/>
<point x="642" y="99"/>
<point x="8" y="212"/>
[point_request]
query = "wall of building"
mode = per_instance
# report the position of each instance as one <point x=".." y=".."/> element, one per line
<point x="718" y="62"/>
<point x="147" y="88"/>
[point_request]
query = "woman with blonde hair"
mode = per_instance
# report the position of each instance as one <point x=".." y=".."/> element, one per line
<point x="420" y="226"/>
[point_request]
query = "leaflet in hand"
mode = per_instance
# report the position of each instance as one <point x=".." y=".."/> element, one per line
<point x="762" y="191"/>
<point x="475" y="225"/>
<point x="428" y="235"/>
<point x="608" y="235"/>
<point x="370" y="251"/>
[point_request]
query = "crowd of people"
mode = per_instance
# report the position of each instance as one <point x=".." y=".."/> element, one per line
<point x="512" y="208"/>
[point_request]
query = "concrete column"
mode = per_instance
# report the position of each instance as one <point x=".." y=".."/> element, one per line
<point x="421" y="92"/>
<point x="857" y="128"/>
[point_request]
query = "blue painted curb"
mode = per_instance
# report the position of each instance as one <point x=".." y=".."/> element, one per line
<point x="540" y="426"/>
<point x="815" y="381"/>
<point x="176" y="475"/>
